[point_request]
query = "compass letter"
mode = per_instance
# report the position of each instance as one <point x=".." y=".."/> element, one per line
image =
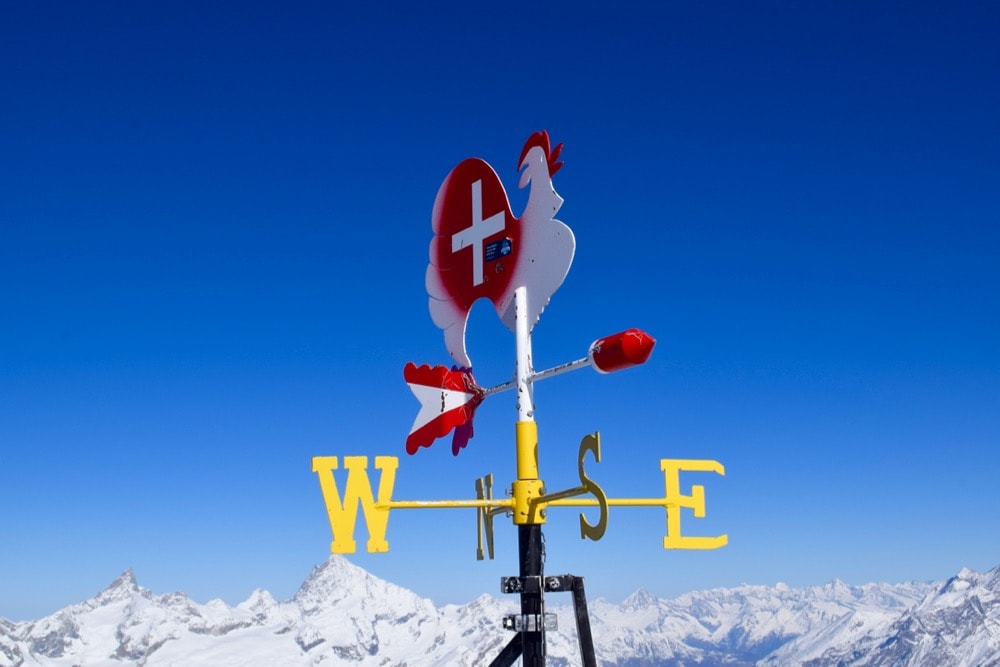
<point x="696" y="501"/>
<point x="592" y="444"/>
<point x="358" y="491"/>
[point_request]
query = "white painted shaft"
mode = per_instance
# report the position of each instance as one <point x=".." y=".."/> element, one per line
<point x="522" y="367"/>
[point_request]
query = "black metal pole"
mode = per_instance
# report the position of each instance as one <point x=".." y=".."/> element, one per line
<point x="510" y="653"/>
<point x="529" y="538"/>
<point x="583" y="632"/>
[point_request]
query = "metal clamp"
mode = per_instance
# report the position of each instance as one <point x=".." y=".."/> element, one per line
<point x="530" y="585"/>
<point x="530" y="622"/>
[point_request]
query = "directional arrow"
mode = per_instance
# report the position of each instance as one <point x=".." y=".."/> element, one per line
<point x="449" y="397"/>
<point x="448" y="400"/>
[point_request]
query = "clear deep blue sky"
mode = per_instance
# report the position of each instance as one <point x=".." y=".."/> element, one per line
<point x="214" y="223"/>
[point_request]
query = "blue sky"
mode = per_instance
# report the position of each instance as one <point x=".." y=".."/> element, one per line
<point x="214" y="224"/>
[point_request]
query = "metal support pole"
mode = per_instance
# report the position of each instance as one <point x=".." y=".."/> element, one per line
<point x="529" y="538"/>
<point x="583" y="632"/>
<point x="510" y="653"/>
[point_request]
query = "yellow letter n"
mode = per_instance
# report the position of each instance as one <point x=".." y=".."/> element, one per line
<point x="358" y="491"/>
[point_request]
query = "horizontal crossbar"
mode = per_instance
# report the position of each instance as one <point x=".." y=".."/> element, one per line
<point x="507" y="503"/>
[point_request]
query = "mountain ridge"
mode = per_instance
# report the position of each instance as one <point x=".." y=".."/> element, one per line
<point x="343" y="615"/>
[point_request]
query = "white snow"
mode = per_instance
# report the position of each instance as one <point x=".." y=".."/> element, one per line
<point x="342" y="615"/>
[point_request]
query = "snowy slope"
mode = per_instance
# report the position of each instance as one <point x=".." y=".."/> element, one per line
<point x="740" y="626"/>
<point x="342" y="615"/>
<point x="957" y="624"/>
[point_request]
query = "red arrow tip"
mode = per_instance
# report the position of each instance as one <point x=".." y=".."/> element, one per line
<point x="621" y="350"/>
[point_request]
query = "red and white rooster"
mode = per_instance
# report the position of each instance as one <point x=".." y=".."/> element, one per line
<point x="481" y="251"/>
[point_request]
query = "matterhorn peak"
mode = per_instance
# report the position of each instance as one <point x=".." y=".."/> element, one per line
<point x="125" y="587"/>
<point x="331" y="582"/>
<point x="335" y="571"/>
<point x="126" y="578"/>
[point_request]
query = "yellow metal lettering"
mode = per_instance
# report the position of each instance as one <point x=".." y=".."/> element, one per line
<point x="484" y="517"/>
<point x="592" y="444"/>
<point x="696" y="501"/>
<point x="358" y="491"/>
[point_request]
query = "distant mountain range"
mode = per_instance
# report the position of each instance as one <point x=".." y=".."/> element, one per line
<point x="342" y="615"/>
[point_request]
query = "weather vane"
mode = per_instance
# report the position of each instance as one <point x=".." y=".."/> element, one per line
<point x="481" y="251"/>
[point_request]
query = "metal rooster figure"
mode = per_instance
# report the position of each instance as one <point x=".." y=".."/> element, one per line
<point x="481" y="251"/>
<point x="489" y="254"/>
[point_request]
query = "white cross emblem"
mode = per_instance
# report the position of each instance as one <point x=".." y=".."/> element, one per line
<point x="478" y="232"/>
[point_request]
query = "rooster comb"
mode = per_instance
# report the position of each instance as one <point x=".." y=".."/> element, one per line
<point x="541" y="139"/>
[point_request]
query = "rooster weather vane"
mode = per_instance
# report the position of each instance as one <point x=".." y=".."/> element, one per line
<point x="480" y="250"/>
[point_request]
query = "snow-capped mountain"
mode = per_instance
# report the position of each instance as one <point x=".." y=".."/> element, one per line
<point x="744" y="625"/>
<point x="342" y="615"/>
<point x="957" y="624"/>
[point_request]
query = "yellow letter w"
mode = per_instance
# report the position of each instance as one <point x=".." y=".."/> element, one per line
<point x="343" y="515"/>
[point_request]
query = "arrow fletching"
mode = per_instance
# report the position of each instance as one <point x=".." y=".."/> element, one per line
<point x="448" y="400"/>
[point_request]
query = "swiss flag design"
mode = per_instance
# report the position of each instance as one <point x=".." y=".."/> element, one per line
<point x="477" y="239"/>
<point x="481" y="251"/>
